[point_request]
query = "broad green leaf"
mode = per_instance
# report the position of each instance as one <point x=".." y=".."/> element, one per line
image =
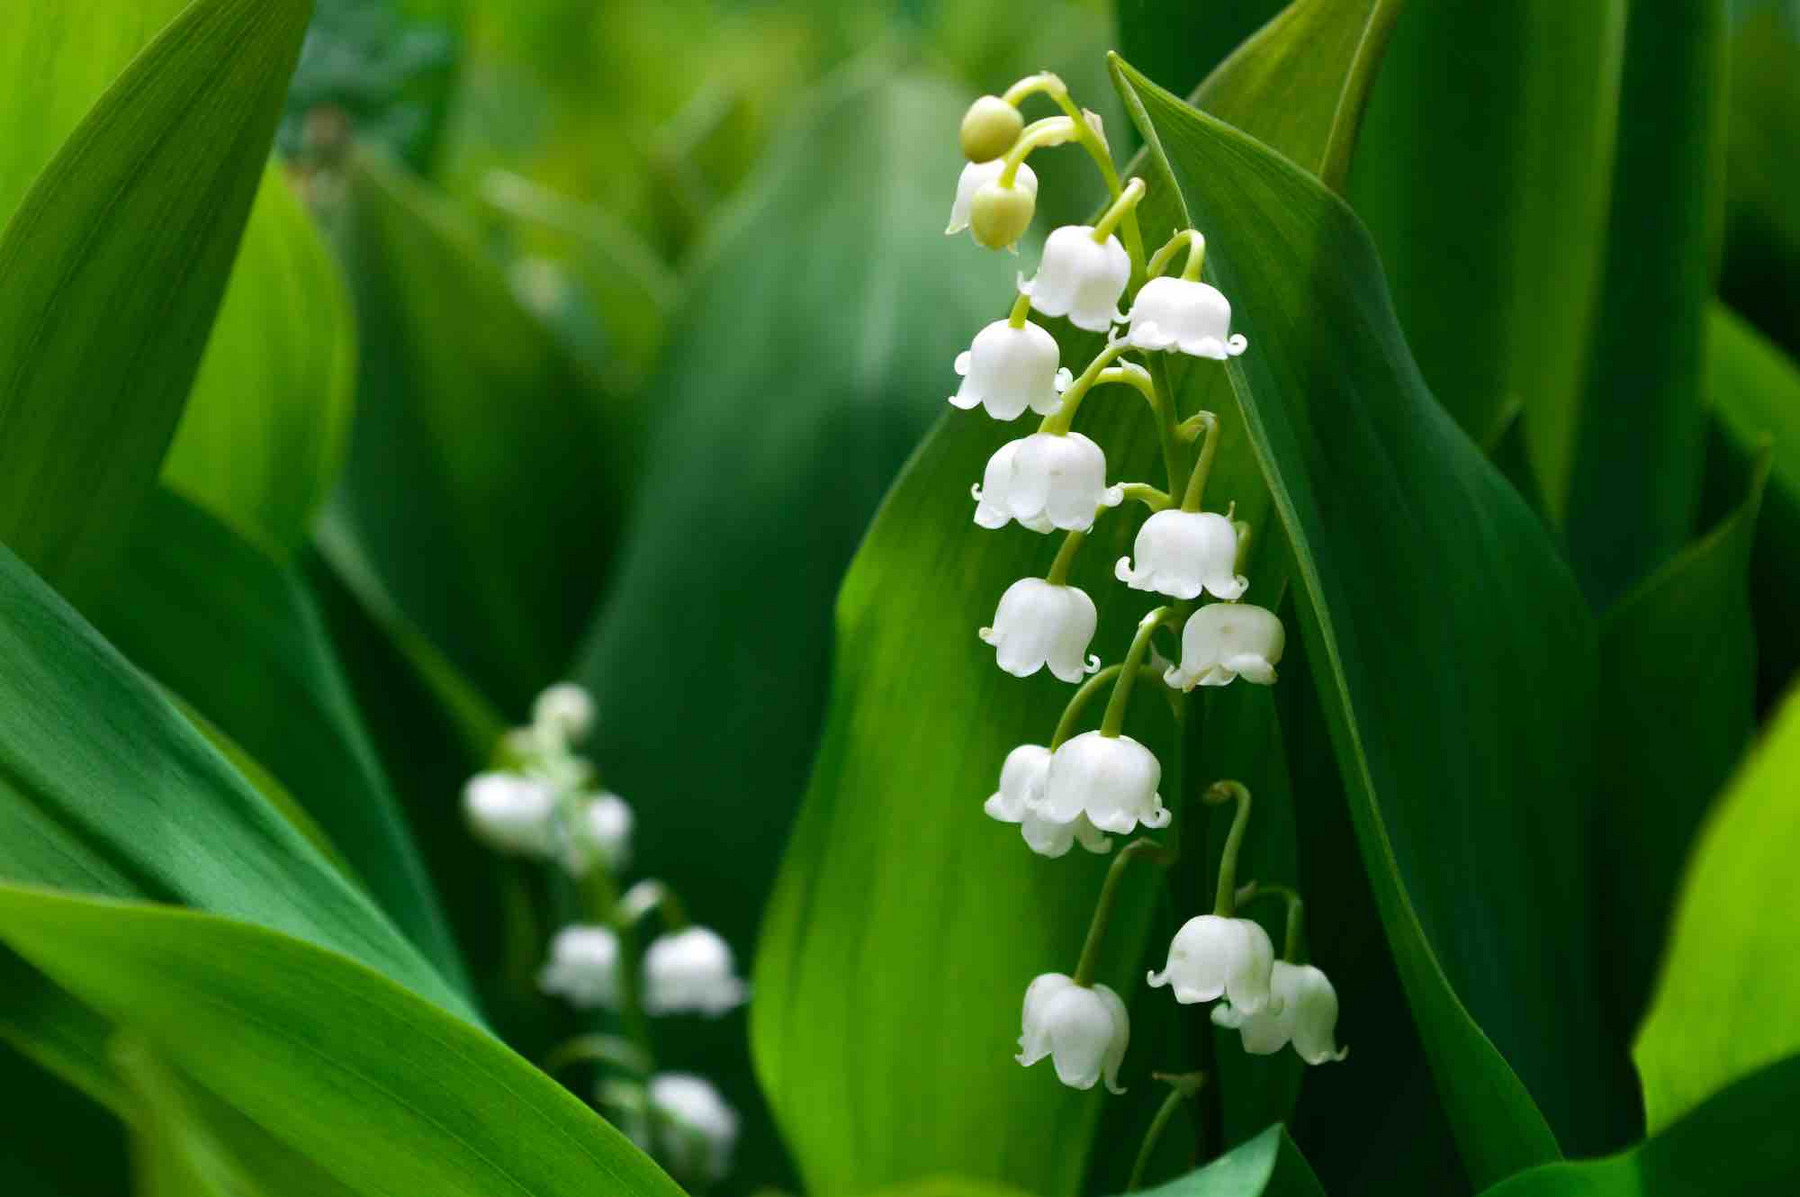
<point x="380" y="1088"/>
<point x="1634" y="492"/>
<point x="1728" y="998"/>
<point x="1755" y="393"/>
<point x="1683" y="631"/>
<point x="1267" y="1166"/>
<point x="1762" y="170"/>
<point x="1740" y="1143"/>
<point x="115" y="263"/>
<point x="239" y="637"/>
<point x="263" y="435"/>
<point x="486" y="471"/>
<point x="1388" y="508"/>
<point x="105" y="788"/>
<point x="1482" y="175"/>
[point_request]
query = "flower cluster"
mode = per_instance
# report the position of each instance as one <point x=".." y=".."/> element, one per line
<point x="542" y="801"/>
<point x="1090" y="785"/>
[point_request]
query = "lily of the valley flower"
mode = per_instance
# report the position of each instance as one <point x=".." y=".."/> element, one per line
<point x="565" y="710"/>
<point x="512" y="813"/>
<point x="1080" y="278"/>
<point x="1022" y="778"/>
<point x="601" y="831"/>
<point x="1007" y="370"/>
<point x="699" y="1130"/>
<point x="583" y="967"/>
<point x="1045" y="481"/>
<point x="1110" y="779"/>
<point x="1083" y="1030"/>
<point x="1039" y="623"/>
<point x="1213" y="956"/>
<point x="1177" y="314"/>
<point x="1223" y="641"/>
<point x="1181" y="553"/>
<point x="1302" y="1010"/>
<point x="691" y="970"/>
<point x="973" y="177"/>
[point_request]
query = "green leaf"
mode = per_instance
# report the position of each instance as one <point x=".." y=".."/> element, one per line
<point x="1762" y="172"/>
<point x="486" y="473"/>
<point x="1728" y="999"/>
<point x="1683" y="631"/>
<point x="1180" y="43"/>
<point x="59" y="1142"/>
<point x="104" y="788"/>
<point x="115" y="264"/>
<point x="240" y="638"/>
<point x="1267" y="1166"/>
<point x="380" y="1088"/>
<point x="1755" y="393"/>
<point x="263" y="436"/>
<point x="1640" y="448"/>
<point x="1740" y="1143"/>
<point x="1389" y="509"/>
<point x="1482" y="177"/>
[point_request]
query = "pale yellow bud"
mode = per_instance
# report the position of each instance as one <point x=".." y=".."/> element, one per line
<point x="999" y="215"/>
<point x="990" y="128"/>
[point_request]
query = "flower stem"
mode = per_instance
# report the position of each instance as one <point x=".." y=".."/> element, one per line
<point x="1121" y="207"/>
<point x="1196" y="247"/>
<point x="1059" y="421"/>
<point x="1182" y="1086"/>
<point x="1052" y="130"/>
<point x="1296" y="918"/>
<point x="1196" y="486"/>
<point x="1114" y="719"/>
<point x="1065" y="557"/>
<point x="649" y="895"/>
<point x="1217" y="794"/>
<point x="1149" y="496"/>
<point x="601" y="897"/>
<point x="1109" y="897"/>
<point x="604" y="1049"/>
<point x="1021" y="308"/>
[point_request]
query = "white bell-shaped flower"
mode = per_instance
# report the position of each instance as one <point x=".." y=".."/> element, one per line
<point x="1303" y="1010"/>
<point x="1223" y="641"/>
<point x="1018" y="799"/>
<point x="1007" y="370"/>
<point x="583" y="967"/>
<point x="1045" y="481"/>
<point x="601" y="831"/>
<point x="1181" y="553"/>
<point x="512" y="813"/>
<point x="565" y="710"/>
<point x="1083" y="1030"/>
<point x="1080" y="278"/>
<point x="691" y="970"/>
<point x="699" y="1129"/>
<point x="1213" y="956"/>
<point x="1039" y="623"/>
<point x="970" y="181"/>
<point x="1110" y="779"/>
<point x="1180" y="314"/>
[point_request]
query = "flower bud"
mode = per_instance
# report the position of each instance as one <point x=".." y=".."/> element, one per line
<point x="990" y="128"/>
<point x="1213" y="956"/>
<point x="1302" y="1010"/>
<point x="583" y="967"/>
<point x="999" y="215"/>
<point x="1084" y="1030"/>
<point x="566" y="710"/>
<point x="691" y="970"/>
<point x="700" y="1129"/>
<point x="511" y="813"/>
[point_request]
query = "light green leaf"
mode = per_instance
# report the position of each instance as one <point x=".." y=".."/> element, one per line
<point x="1387" y="507"/>
<point x="1728" y="999"/>
<point x="1482" y="177"/>
<point x="378" y="1087"/>
<point x="115" y="263"/>
<point x="1683" y="631"/>
<point x="487" y="473"/>
<point x="240" y="638"/>
<point x="1634" y="492"/>
<point x="263" y="436"/>
<point x="1267" y="1166"/>
<point x="104" y="788"/>
<point x="1740" y="1143"/>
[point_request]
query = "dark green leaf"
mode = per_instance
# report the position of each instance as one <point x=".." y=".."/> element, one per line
<point x="1740" y="1143"/>
<point x="486" y="471"/>
<point x="240" y="638"/>
<point x="1267" y="1166"/>
<point x="1683" y="631"/>
<point x="1728" y="999"/>
<point x="1482" y="177"/>
<point x="380" y="1088"/>
<point x="115" y="263"/>
<point x="58" y="1141"/>
<point x="1762" y="170"/>
<point x="1178" y="43"/>
<point x="1391" y="512"/>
